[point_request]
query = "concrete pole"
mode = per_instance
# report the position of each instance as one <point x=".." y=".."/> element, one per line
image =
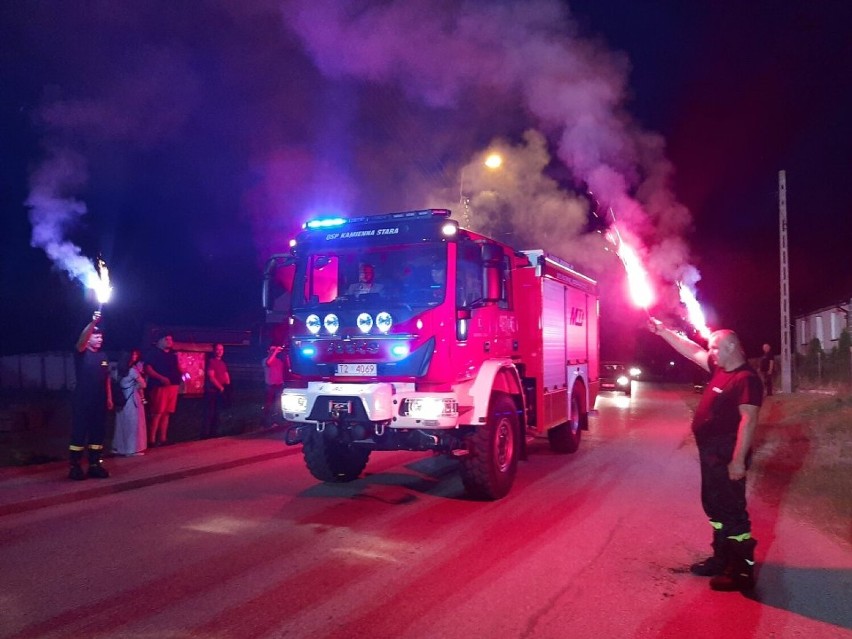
<point x="786" y="351"/>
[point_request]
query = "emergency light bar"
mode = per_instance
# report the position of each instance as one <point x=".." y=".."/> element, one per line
<point x="330" y="222"/>
<point x="325" y="222"/>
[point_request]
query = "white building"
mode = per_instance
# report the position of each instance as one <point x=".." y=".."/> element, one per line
<point x="825" y="324"/>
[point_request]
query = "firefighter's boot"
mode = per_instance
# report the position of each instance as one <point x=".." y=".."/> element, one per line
<point x="75" y="471"/>
<point x="96" y="470"/>
<point x="715" y="563"/>
<point x="739" y="571"/>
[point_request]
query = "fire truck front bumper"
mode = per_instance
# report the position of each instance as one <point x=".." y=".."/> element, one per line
<point x="391" y="406"/>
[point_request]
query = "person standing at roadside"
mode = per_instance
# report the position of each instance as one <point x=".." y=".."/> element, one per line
<point x="273" y="377"/>
<point x="92" y="399"/>
<point x="130" y="427"/>
<point x="767" y="369"/>
<point x="164" y="377"/>
<point x="215" y="386"/>
<point x="724" y="425"/>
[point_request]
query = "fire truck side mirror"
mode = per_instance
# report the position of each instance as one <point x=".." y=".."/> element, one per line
<point x="493" y="285"/>
<point x="492" y="258"/>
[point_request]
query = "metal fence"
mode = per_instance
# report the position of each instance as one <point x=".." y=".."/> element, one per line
<point x="819" y="368"/>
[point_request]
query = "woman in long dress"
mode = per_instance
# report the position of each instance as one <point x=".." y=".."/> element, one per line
<point x="130" y="427"/>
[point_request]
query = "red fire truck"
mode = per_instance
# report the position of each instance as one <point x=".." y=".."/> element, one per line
<point x="407" y="332"/>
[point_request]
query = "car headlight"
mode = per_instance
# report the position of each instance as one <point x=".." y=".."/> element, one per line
<point x="623" y="380"/>
<point x="635" y="372"/>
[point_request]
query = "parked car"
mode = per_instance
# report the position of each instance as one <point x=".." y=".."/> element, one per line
<point x="618" y="377"/>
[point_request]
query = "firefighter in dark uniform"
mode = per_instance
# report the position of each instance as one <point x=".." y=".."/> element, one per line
<point x="92" y="399"/>
<point x="724" y="426"/>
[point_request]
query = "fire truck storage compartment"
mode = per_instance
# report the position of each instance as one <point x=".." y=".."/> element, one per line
<point x="554" y="348"/>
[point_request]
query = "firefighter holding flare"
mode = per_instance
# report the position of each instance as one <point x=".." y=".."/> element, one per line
<point x="724" y="425"/>
<point x="92" y="399"/>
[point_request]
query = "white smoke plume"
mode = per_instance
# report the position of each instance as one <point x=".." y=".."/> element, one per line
<point x="440" y="51"/>
<point x="138" y="107"/>
<point x="54" y="211"/>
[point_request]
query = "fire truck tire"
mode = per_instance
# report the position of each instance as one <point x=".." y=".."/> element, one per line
<point x="488" y="471"/>
<point x="333" y="462"/>
<point x="565" y="438"/>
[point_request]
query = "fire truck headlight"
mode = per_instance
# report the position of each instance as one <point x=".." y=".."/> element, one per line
<point x="449" y="229"/>
<point x="365" y="322"/>
<point x="313" y="324"/>
<point x="384" y="321"/>
<point x="331" y="323"/>
<point x="429" y="407"/>
<point x="293" y="403"/>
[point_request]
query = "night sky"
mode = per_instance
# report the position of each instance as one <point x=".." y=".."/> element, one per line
<point x="187" y="142"/>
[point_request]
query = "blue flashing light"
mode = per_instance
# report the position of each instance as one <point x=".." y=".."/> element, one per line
<point x="400" y="350"/>
<point x="309" y="351"/>
<point x="325" y="222"/>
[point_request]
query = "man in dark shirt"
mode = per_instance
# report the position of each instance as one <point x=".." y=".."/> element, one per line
<point x="273" y="376"/>
<point x="92" y="399"/>
<point x="724" y="426"/>
<point x="215" y="386"/>
<point x="164" y="377"/>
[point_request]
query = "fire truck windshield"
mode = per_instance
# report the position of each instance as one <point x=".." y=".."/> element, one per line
<point x="414" y="275"/>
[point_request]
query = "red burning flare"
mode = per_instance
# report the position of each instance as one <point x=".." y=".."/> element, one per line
<point x="638" y="282"/>
<point x="694" y="314"/>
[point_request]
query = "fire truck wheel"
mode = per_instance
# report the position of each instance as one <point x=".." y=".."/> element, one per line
<point x="488" y="471"/>
<point x="565" y="438"/>
<point x="331" y="461"/>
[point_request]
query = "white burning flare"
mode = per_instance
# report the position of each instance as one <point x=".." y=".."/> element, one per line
<point x="100" y="282"/>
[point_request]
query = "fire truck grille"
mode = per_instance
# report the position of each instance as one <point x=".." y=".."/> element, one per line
<point x="336" y="408"/>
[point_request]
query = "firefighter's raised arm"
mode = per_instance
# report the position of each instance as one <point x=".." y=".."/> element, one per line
<point x="88" y="330"/>
<point x="680" y="342"/>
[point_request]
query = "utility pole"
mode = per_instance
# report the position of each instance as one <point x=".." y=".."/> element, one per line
<point x="786" y="353"/>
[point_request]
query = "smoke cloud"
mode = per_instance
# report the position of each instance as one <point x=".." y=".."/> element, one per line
<point x="226" y="124"/>
<point x="442" y="52"/>
<point x="54" y="210"/>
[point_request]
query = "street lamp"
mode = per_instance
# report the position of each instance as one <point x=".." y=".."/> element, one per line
<point x="492" y="161"/>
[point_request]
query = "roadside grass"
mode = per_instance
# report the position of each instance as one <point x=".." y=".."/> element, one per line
<point x="803" y="455"/>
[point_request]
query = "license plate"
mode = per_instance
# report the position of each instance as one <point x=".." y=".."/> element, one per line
<point x="356" y="370"/>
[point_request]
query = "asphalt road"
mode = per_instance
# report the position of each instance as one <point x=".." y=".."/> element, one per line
<point x="594" y="544"/>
